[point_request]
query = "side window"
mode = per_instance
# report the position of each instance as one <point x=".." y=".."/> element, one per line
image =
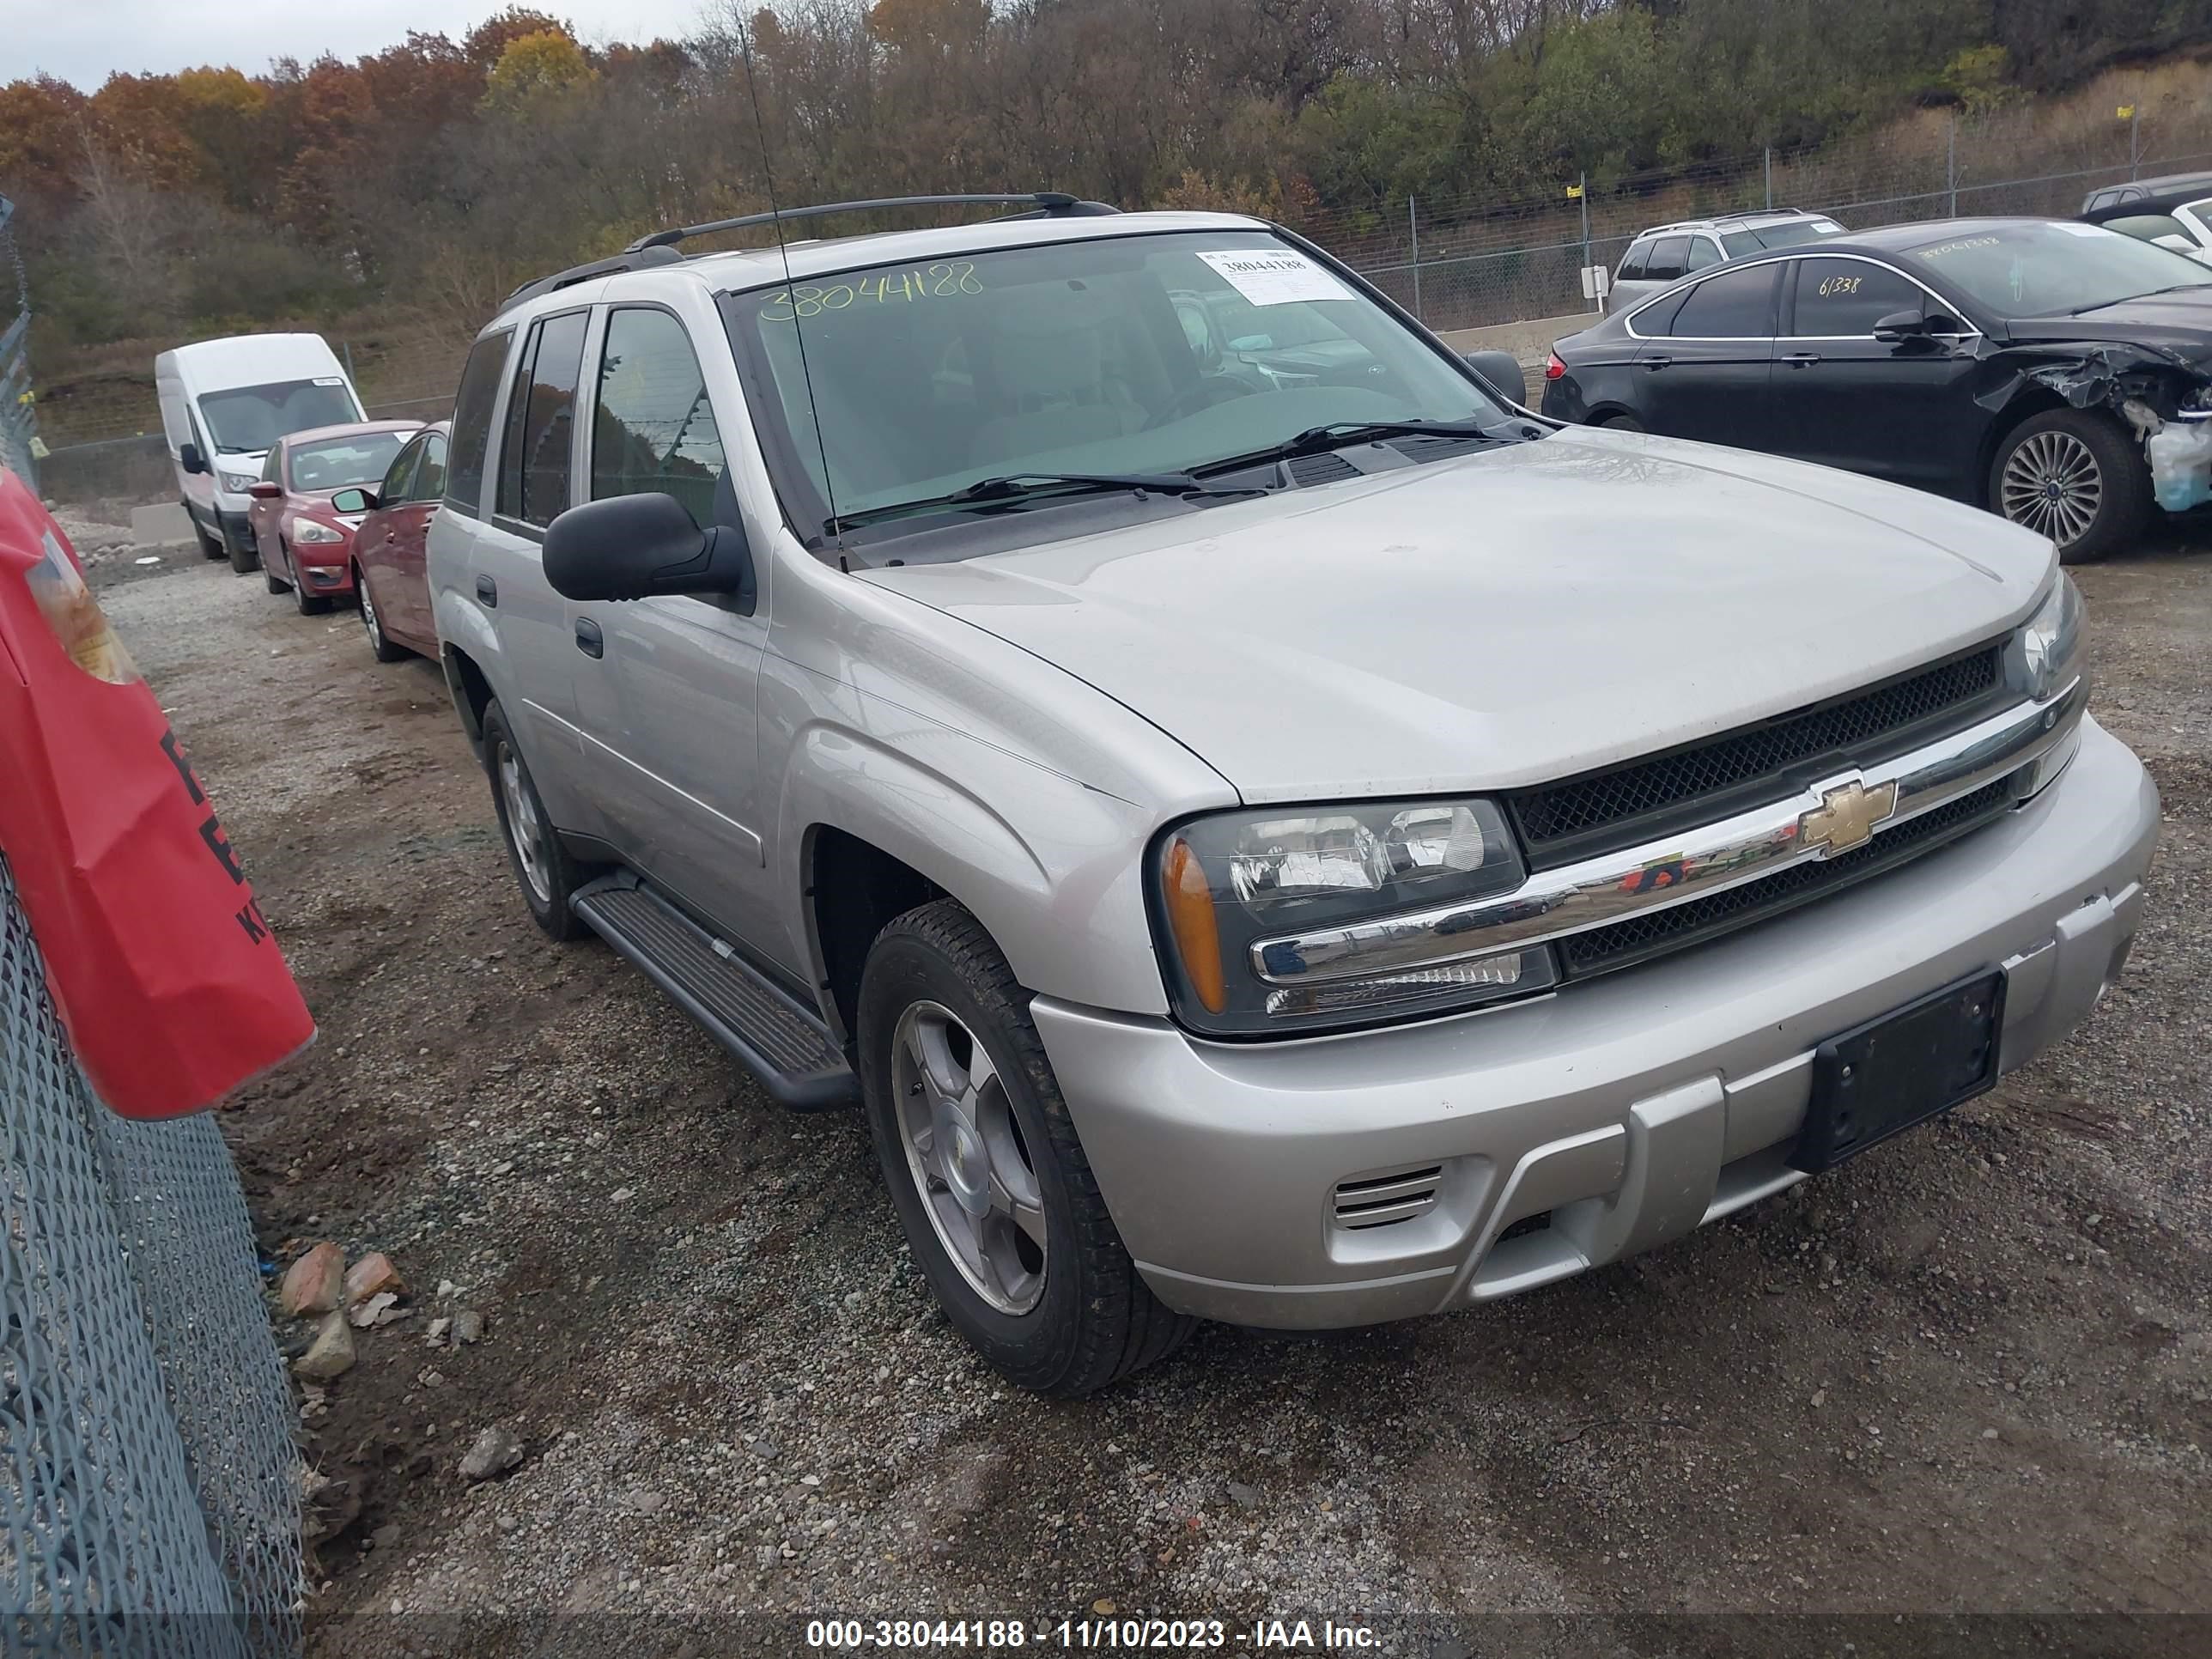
<point x="1703" y="252"/>
<point x="653" y="429"/>
<point x="399" y="476"/>
<point x="273" y="470"/>
<point x="1847" y="297"/>
<point x="1736" y="305"/>
<point x="1632" y="263"/>
<point x="472" y="420"/>
<point x="1739" y="243"/>
<point x="534" y="459"/>
<point x="430" y="482"/>
<point x="1668" y="258"/>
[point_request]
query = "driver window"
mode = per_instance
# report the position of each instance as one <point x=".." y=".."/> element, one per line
<point x="399" y="475"/>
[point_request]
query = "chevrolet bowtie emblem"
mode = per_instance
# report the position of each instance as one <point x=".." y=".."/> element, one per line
<point x="1846" y="817"/>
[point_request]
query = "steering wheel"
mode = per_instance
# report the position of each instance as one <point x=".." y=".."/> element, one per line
<point x="1211" y="390"/>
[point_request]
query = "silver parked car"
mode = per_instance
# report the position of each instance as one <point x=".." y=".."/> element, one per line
<point x="1665" y="254"/>
<point x="1298" y="850"/>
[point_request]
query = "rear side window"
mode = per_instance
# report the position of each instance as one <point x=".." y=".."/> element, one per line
<point x="1667" y="261"/>
<point x="653" y="429"/>
<point x="472" y="421"/>
<point x="1703" y="252"/>
<point x="1736" y="305"/>
<point x="541" y="413"/>
<point x="1840" y="298"/>
<point x="1632" y="263"/>
<point x="1739" y="243"/>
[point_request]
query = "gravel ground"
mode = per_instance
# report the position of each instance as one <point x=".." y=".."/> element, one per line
<point x="1967" y="1374"/>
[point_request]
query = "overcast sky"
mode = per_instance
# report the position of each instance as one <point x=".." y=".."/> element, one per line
<point x="84" y="41"/>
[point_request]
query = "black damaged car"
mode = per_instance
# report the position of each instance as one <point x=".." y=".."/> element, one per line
<point x="2042" y="369"/>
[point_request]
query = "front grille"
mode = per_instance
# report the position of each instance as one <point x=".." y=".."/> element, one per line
<point x="1562" y="822"/>
<point x="1603" y="949"/>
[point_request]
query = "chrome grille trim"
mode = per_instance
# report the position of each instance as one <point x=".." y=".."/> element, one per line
<point x="1746" y="847"/>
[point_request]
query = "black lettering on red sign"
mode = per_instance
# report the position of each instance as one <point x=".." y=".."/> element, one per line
<point x="251" y="919"/>
<point x="176" y="754"/>
<point x="211" y="833"/>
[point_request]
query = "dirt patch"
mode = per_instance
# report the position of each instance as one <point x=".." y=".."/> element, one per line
<point x="1966" y="1373"/>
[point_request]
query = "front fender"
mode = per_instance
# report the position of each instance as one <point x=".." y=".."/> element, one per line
<point x="1052" y="870"/>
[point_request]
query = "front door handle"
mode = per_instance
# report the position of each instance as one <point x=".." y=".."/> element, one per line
<point x="488" y="592"/>
<point x="589" y="640"/>
<point x="1802" y="359"/>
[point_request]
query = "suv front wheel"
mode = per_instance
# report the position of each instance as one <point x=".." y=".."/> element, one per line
<point x="543" y="868"/>
<point x="985" y="1170"/>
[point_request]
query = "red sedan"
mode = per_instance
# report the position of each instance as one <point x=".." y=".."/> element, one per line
<point x="390" y="546"/>
<point x="305" y="542"/>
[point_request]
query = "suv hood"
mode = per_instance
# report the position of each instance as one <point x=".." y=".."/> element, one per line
<point x="1514" y="616"/>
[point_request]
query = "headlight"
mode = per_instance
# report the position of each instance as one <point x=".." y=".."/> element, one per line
<point x="2050" y="644"/>
<point x="310" y="533"/>
<point x="238" y="483"/>
<point x="1224" y="887"/>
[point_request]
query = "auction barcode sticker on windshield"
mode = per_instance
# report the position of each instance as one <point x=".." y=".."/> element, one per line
<point x="1276" y="276"/>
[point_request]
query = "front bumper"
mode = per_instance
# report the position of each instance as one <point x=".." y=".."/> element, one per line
<point x="325" y="567"/>
<point x="1622" y="1112"/>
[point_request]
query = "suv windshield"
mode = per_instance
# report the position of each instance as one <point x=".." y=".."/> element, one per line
<point x="244" y="419"/>
<point x="1126" y="354"/>
<point x="2052" y="268"/>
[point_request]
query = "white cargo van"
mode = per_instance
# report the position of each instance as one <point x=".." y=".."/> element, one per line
<point x="224" y="403"/>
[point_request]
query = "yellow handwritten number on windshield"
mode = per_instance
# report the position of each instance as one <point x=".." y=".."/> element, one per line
<point x="923" y="283"/>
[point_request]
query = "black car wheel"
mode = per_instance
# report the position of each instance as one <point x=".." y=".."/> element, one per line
<point x="244" y="561"/>
<point x="542" y="866"/>
<point x="989" y="1179"/>
<point x="270" y="580"/>
<point x="2075" y="478"/>
<point x="309" y="604"/>
<point x="1623" y="423"/>
<point x="371" y="623"/>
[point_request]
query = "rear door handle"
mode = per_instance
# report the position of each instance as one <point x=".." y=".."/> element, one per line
<point x="488" y="592"/>
<point x="1654" y="362"/>
<point x="589" y="640"/>
<point x="1799" y="359"/>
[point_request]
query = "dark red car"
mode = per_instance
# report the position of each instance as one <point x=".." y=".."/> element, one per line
<point x="305" y="542"/>
<point x="389" y="546"/>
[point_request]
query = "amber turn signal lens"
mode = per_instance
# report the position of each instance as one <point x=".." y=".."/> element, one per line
<point x="1190" y="918"/>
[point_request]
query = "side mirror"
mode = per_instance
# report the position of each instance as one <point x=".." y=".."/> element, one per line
<point x="355" y="501"/>
<point x="266" y="491"/>
<point x="633" y="547"/>
<point x="189" y="458"/>
<point x="1900" y="325"/>
<point x="1501" y="371"/>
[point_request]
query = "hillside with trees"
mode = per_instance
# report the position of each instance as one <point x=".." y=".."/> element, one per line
<point x="434" y="176"/>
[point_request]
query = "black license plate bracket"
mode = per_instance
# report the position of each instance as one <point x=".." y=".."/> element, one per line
<point x="1911" y="1064"/>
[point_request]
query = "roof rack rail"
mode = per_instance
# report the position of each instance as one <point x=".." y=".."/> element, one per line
<point x="1041" y="204"/>
<point x="628" y="259"/>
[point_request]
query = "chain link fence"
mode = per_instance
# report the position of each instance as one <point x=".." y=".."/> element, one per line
<point x="149" y="1485"/>
<point x="18" y="428"/>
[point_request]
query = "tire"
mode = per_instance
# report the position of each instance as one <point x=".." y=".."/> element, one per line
<point x="308" y="604"/>
<point x="548" y="882"/>
<point x="379" y="646"/>
<point x="243" y="563"/>
<point x="1067" y="1319"/>
<point x="271" y="580"/>
<point x="1623" y="423"/>
<point x="211" y="547"/>
<point x="2067" y="452"/>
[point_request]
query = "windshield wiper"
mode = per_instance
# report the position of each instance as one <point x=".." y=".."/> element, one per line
<point x="2171" y="287"/>
<point x="1019" y="486"/>
<point x="1317" y="440"/>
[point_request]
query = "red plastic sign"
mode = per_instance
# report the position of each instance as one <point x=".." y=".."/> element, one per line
<point x="165" y="972"/>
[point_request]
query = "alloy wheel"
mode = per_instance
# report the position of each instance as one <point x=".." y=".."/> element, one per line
<point x="2052" y="485"/>
<point x="965" y="1151"/>
<point x="368" y="613"/>
<point x="524" y="828"/>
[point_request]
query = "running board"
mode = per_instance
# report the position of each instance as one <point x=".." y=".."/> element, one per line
<point x="781" y="1041"/>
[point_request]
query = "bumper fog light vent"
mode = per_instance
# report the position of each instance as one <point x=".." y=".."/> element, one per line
<point x="1383" y="1200"/>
